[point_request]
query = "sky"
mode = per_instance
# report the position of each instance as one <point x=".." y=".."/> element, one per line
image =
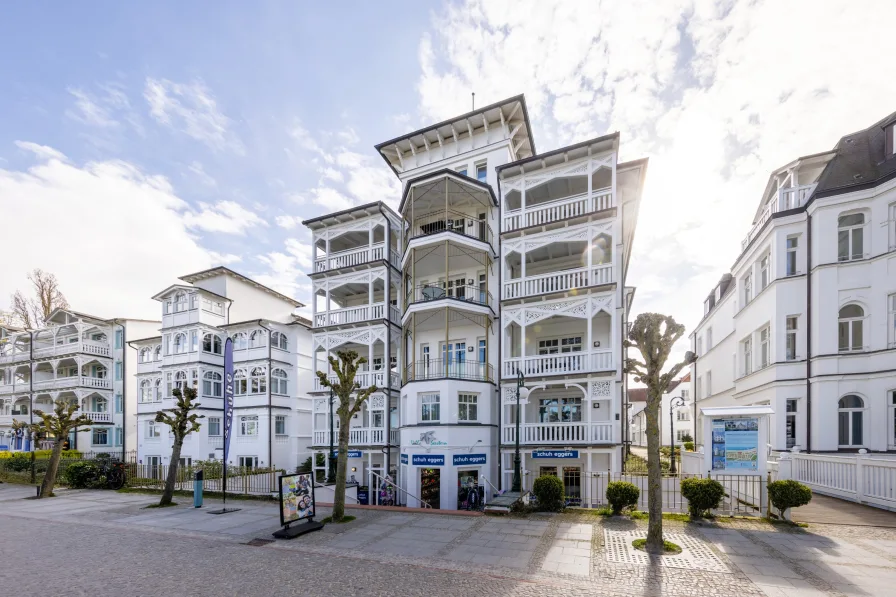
<point x="140" y="142"/>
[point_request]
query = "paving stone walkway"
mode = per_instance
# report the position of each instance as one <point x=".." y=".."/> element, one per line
<point x="566" y="551"/>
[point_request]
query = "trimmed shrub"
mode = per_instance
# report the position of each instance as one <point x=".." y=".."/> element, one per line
<point x="622" y="495"/>
<point x="788" y="494"/>
<point x="548" y="489"/>
<point x="702" y="495"/>
<point x="689" y="446"/>
<point x="80" y="475"/>
<point x="19" y="462"/>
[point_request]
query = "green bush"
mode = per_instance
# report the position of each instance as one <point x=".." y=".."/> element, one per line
<point x="689" y="446"/>
<point x="80" y="475"/>
<point x="548" y="489"/>
<point x="687" y="438"/>
<point x="622" y="495"/>
<point x="305" y="467"/>
<point x="788" y="494"/>
<point x="702" y="495"/>
<point x="19" y="462"/>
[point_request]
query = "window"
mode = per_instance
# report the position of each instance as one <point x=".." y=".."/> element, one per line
<point x="682" y="414"/>
<point x="891" y="308"/>
<point x="180" y="343"/>
<point x="240" y="383"/>
<point x="481" y="172"/>
<point x="790" y="342"/>
<point x="893" y="417"/>
<point x="279" y="381"/>
<point x="560" y="410"/>
<point x="178" y="380"/>
<point x="849" y="328"/>
<point x="212" y="384"/>
<point x="748" y="288"/>
<point x="259" y="381"/>
<point x="462" y="171"/>
<point x="194" y="301"/>
<point x="429" y="407"/>
<point x="850" y="420"/>
<point x="467" y="407"/>
<point x="560" y="345"/>
<point x="240" y="341"/>
<point x="185" y="461"/>
<point x="748" y="356"/>
<point x="699" y="388"/>
<point x="699" y="345"/>
<point x="249" y="425"/>
<point x="708" y="384"/>
<point x="792" y="245"/>
<point x="680" y="434"/>
<point x="850" y="242"/>
<point x="100" y="436"/>
<point x="146" y="391"/>
<point x="280" y="425"/>
<point x="153" y="430"/>
<point x="180" y="302"/>
<point x="547" y="471"/>
<point x="194" y="341"/>
<point x="158" y="353"/>
<point x="280" y="341"/>
<point x="790" y="425"/>
<point x="119" y="404"/>
<point x="891" y="224"/>
<point x="763" y="348"/>
<point x="145" y="355"/>
<point x="212" y="343"/>
<point x="708" y="338"/>
<point x="119" y="436"/>
<point x="118" y="371"/>
<point x="119" y="337"/>
<point x="256" y="339"/>
<point x="248" y="461"/>
<point x="685" y="394"/>
<point x="763" y="273"/>
<point x="214" y="426"/>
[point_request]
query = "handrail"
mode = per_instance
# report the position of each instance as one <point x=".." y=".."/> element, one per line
<point x="439" y="221"/>
<point x="485" y="499"/>
<point x="433" y="291"/>
<point x="440" y="369"/>
<point x="424" y="504"/>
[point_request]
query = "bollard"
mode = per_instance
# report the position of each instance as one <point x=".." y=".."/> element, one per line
<point x="197" y="489"/>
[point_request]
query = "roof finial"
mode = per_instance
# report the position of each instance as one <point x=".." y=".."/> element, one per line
<point x="474" y="100"/>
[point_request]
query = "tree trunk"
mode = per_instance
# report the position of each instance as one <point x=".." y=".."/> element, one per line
<point x="654" y="476"/>
<point x="341" y="465"/>
<point x="46" y="488"/>
<point x="171" y="481"/>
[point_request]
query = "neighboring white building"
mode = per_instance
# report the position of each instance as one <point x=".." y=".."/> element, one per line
<point x="272" y="371"/>
<point x="682" y="413"/>
<point x="79" y="358"/>
<point x="806" y="320"/>
<point x="506" y="261"/>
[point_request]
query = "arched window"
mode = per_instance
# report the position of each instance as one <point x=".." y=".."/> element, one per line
<point x="849" y="328"/>
<point x="158" y="390"/>
<point x="145" y="355"/>
<point x="212" y="384"/>
<point x="279" y="340"/>
<point x="180" y="302"/>
<point x="240" y="383"/>
<point x="211" y="343"/>
<point x="259" y="381"/>
<point x="180" y="343"/>
<point x="850" y="240"/>
<point x="158" y="353"/>
<point x="145" y="391"/>
<point x="850" y="415"/>
<point x="180" y="382"/>
<point x="240" y="342"/>
<point x="256" y="339"/>
<point x="278" y="382"/>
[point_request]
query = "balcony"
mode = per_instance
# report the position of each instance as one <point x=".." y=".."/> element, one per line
<point x="98" y="418"/>
<point x="559" y="433"/>
<point x="433" y="292"/>
<point x="784" y="199"/>
<point x="350" y="315"/>
<point x="14" y="357"/>
<point x="99" y="383"/>
<point x="366" y="379"/>
<point x="560" y="364"/>
<point x="5" y="420"/>
<point x="558" y="211"/>
<point x="449" y="221"/>
<point x="562" y="281"/>
<point x="450" y="369"/>
<point x="99" y="349"/>
<point x="358" y="436"/>
<point x="355" y="257"/>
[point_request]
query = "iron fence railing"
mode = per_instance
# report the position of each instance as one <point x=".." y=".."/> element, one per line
<point x="449" y="221"/>
<point x="442" y="368"/>
<point x="463" y="292"/>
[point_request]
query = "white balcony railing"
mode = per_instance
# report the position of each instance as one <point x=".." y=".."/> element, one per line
<point x="787" y="198"/>
<point x="350" y="315"/>
<point x="67" y="382"/>
<point x="559" y="281"/>
<point x="96" y="382"/>
<point x="560" y="364"/>
<point x="351" y="257"/>
<point x="357" y="436"/>
<point x="99" y="349"/>
<point x="366" y="379"/>
<point x="557" y="211"/>
<point x="562" y="433"/>
<point x="97" y="417"/>
<point x="5" y="420"/>
<point x="14" y="357"/>
<point x="8" y="388"/>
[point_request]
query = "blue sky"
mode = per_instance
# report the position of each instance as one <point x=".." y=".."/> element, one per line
<point x="142" y="142"/>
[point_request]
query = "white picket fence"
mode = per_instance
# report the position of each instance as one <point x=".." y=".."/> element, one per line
<point x="861" y="478"/>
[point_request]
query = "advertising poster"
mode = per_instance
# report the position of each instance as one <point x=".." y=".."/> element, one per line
<point x="735" y="444"/>
<point x="296" y="497"/>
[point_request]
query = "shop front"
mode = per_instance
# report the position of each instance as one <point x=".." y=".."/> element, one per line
<point x="445" y="481"/>
<point x="575" y="467"/>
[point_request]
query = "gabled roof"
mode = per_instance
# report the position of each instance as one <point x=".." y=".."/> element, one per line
<point x="611" y="140"/>
<point x="637" y="395"/>
<point x="457" y="176"/>
<point x="361" y="211"/>
<point x="226" y="271"/>
<point x="159" y="295"/>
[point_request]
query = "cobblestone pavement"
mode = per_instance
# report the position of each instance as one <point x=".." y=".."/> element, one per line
<point x="187" y="551"/>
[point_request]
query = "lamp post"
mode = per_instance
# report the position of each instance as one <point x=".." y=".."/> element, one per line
<point x="517" y="484"/>
<point x="673" y="403"/>
<point x="331" y="462"/>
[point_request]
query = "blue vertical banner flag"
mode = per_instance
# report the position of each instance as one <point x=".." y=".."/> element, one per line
<point x="228" y="397"/>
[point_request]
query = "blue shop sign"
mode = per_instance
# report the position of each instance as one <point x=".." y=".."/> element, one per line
<point x="4" y="448"/>
<point x="349" y="453"/>
<point x="555" y="454"/>
<point x="428" y="459"/>
<point x="404" y="458"/>
<point x="468" y="459"/>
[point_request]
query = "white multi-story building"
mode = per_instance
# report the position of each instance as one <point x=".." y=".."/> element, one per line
<point x="272" y="372"/>
<point x="804" y="322"/>
<point x="677" y="400"/>
<point x="76" y="358"/>
<point x="507" y="261"/>
<point x="356" y="285"/>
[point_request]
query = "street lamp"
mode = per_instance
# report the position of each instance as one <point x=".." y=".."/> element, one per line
<point x="517" y="485"/>
<point x="331" y="462"/>
<point x="673" y="403"/>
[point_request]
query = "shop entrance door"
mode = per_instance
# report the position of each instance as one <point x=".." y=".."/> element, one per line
<point x="572" y="485"/>
<point x="469" y="494"/>
<point x="431" y="486"/>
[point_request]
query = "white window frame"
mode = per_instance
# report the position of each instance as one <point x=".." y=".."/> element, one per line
<point x="562" y="344"/>
<point x="891" y="320"/>
<point x="763" y="272"/>
<point x="217" y="422"/>
<point x="747" y="351"/>
<point x="791" y="262"/>
<point x="280" y="425"/>
<point x="430" y="407"/>
<point x="764" y="347"/>
<point x="465" y="402"/>
<point x="249" y="425"/>
<point x="852" y="412"/>
<point x="790" y="337"/>
<point x="852" y="324"/>
<point x="153" y="430"/>
<point x="748" y="288"/>
<point x="212" y="384"/>
<point x="279" y="382"/>
<point x="851" y="230"/>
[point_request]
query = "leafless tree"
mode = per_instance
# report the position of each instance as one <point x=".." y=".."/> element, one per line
<point x="31" y="313"/>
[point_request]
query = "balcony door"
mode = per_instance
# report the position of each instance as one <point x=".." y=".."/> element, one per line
<point x="454" y="354"/>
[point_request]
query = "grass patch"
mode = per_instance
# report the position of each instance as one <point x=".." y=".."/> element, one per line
<point x="171" y="505"/>
<point x="669" y="548"/>
<point x="344" y="520"/>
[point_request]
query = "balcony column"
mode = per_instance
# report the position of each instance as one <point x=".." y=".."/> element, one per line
<point x="523" y="204"/>
<point x="313" y="252"/>
<point x="327" y="295"/>
<point x="590" y="192"/>
<point x="327" y="261"/>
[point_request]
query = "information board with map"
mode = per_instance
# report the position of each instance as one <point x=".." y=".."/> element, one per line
<point x="735" y="444"/>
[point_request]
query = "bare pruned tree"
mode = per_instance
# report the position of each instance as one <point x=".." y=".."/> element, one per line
<point x="31" y="313"/>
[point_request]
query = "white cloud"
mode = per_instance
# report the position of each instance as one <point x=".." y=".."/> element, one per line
<point x="41" y="151"/>
<point x="288" y="222"/>
<point x="716" y="94"/>
<point x="330" y="198"/>
<point x="201" y="175"/>
<point x="191" y="109"/>
<point x="227" y="217"/>
<point x="142" y="246"/>
<point x="286" y="269"/>
<point x="89" y="111"/>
